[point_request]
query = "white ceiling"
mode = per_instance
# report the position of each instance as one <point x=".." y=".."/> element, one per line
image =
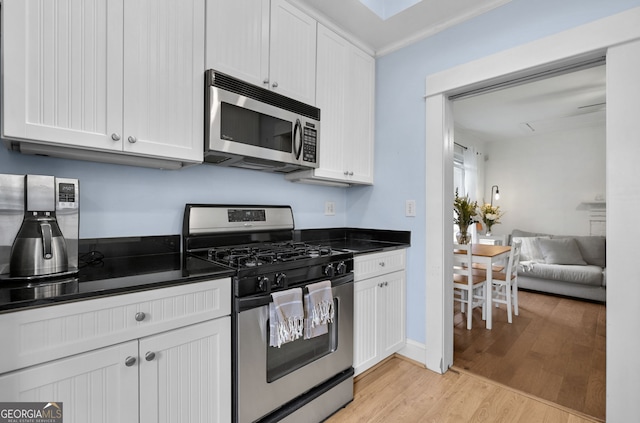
<point x="559" y="103"/>
<point x="414" y="23"/>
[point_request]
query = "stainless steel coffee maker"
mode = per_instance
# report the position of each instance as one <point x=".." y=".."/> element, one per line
<point x="39" y="221"/>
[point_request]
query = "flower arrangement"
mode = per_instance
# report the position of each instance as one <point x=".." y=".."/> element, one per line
<point x="466" y="212"/>
<point x="490" y="216"/>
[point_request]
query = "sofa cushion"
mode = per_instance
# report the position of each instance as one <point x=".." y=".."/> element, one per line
<point x="530" y="250"/>
<point x="593" y="249"/>
<point x="522" y="234"/>
<point x="561" y="251"/>
<point x="579" y="274"/>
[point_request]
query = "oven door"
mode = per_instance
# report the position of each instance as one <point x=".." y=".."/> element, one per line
<point x="269" y="377"/>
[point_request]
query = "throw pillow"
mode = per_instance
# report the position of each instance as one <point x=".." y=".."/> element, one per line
<point x="530" y="250"/>
<point x="561" y="251"/>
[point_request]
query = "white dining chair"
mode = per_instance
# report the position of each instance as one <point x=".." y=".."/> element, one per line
<point x="505" y="284"/>
<point x="469" y="284"/>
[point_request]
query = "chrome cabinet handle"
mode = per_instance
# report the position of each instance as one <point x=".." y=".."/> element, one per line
<point x="115" y="136"/>
<point x="150" y="355"/>
<point x="350" y="173"/>
<point x="266" y="81"/>
<point x="274" y="85"/>
<point x="132" y="139"/>
<point x="129" y="361"/>
<point x="346" y="173"/>
<point x="381" y="263"/>
<point x="386" y="284"/>
<point x="140" y="316"/>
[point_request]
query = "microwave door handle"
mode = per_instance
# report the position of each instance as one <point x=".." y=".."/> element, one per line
<point x="297" y="139"/>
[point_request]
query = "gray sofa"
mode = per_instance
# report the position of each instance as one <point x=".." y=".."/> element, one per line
<point x="573" y="266"/>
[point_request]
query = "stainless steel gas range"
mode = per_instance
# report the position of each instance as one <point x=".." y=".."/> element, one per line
<point x="303" y="380"/>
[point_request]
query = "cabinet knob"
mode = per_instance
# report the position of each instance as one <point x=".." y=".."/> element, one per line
<point x="150" y="355"/>
<point x="132" y="139"/>
<point x="346" y="173"/>
<point x="266" y="81"/>
<point x="381" y="264"/>
<point x="140" y="316"/>
<point x="115" y="136"/>
<point x="274" y="85"/>
<point x="350" y="173"/>
<point x="129" y="361"/>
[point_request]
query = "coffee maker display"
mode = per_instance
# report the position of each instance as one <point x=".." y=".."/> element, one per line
<point x="39" y="222"/>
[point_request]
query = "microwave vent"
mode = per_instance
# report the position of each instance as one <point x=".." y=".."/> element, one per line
<point x="229" y="83"/>
<point x="212" y="158"/>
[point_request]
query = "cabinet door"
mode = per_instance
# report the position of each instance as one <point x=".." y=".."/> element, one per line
<point x="187" y="369"/>
<point x="374" y="264"/>
<point x="237" y="40"/>
<point x="62" y="72"/>
<point x="333" y="53"/>
<point x="393" y="318"/>
<point x="292" y="65"/>
<point x="164" y="78"/>
<point x="366" y="318"/>
<point x="94" y="387"/>
<point x="359" y="102"/>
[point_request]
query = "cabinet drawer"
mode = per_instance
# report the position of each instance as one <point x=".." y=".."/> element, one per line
<point x="36" y="336"/>
<point x="370" y="265"/>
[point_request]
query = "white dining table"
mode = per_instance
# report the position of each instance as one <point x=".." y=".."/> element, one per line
<point x="488" y="256"/>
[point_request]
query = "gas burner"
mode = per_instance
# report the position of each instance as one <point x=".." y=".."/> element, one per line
<point x="246" y="256"/>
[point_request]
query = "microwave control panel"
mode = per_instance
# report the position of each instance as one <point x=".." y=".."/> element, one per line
<point x="309" y="143"/>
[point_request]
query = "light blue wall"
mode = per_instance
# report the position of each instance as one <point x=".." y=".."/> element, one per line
<point x="131" y="201"/>
<point x="400" y="116"/>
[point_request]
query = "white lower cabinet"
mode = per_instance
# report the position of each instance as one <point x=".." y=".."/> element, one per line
<point x="181" y="375"/>
<point x="185" y="374"/>
<point x="379" y="307"/>
<point x="94" y="387"/>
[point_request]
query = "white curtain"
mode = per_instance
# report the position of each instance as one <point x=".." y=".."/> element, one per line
<point x="471" y="182"/>
<point x="471" y="173"/>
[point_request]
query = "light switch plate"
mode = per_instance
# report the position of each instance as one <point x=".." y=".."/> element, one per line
<point x="329" y="208"/>
<point x="410" y="208"/>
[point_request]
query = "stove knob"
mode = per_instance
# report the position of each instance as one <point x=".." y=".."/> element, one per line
<point x="263" y="283"/>
<point x="280" y="280"/>
<point x="329" y="270"/>
<point x="342" y="268"/>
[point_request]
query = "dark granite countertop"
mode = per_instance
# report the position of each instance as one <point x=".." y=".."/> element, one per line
<point x="111" y="266"/>
<point x="356" y="240"/>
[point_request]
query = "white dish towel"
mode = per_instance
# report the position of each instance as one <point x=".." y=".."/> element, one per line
<point x="286" y="316"/>
<point x="318" y="308"/>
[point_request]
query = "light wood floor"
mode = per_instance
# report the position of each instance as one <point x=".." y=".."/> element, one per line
<point x="402" y="391"/>
<point x="554" y="350"/>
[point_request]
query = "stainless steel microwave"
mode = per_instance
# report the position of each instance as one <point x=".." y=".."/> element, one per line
<point x="251" y="127"/>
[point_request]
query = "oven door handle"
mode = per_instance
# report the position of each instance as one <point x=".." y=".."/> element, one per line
<point x="248" y="303"/>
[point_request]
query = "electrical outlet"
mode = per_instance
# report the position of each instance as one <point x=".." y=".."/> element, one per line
<point x="410" y="208"/>
<point x="329" y="208"/>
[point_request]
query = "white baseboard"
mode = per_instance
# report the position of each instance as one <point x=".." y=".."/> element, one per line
<point x="414" y="351"/>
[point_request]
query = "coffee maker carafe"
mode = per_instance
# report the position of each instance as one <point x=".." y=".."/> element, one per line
<point x="39" y="225"/>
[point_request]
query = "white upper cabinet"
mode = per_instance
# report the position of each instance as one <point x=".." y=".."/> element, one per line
<point x="345" y="96"/>
<point x="164" y="78"/>
<point x="292" y="65"/>
<point x="105" y="75"/>
<point x="267" y="43"/>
